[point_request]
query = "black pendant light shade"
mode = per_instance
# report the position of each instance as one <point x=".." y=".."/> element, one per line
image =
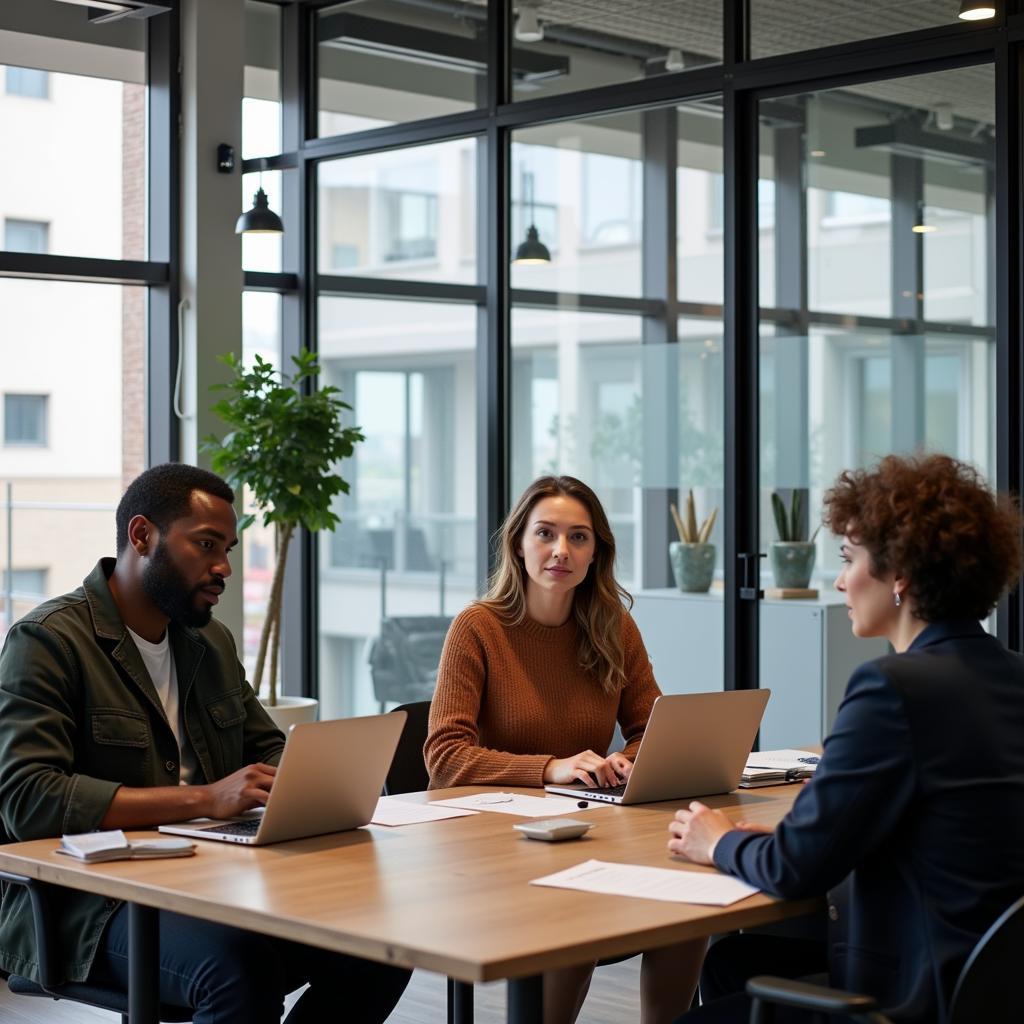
<point x="533" y="250"/>
<point x="261" y="218"/>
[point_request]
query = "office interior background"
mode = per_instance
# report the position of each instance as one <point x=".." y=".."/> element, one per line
<point x="784" y="237"/>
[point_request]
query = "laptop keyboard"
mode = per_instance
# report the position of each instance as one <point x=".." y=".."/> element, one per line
<point x="236" y="828"/>
<point x="606" y="790"/>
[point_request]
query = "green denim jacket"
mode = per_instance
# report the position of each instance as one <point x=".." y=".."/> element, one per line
<point x="79" y="717"/>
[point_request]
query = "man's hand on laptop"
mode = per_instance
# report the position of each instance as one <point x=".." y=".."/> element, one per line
<point x="240" y="791"/>
<point x="588" y="768"/>
<point x="141" y="807"/>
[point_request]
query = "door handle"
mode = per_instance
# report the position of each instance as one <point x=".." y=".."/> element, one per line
<point x="750" y="589"/>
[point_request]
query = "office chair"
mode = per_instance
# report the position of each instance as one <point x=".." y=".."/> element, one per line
<point x="404" y="658"/>
<point x="987" y="989"/>
<point x="100" y="996"/>
<point x="408" y="774"/>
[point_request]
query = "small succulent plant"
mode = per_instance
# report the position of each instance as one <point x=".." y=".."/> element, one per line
<point x="687" y="528"/>
<point x="791" y="526"/>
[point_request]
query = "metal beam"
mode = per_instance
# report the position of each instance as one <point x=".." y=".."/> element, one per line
<point x="742" y="433"/>
<point x="493" y="365"/>
<point x="908" y="367"/>
<point x="790" y="365"/>
<point x="660" y="389"/>
<point x="45" y="267"/>
<point x="1009" y="273"/>
<point x="390" y="288"/>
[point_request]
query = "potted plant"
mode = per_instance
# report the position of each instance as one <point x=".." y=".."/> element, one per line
<point x="692" y="556"/>
<point x="792" y="555"/>
<point x="285" y="442"/>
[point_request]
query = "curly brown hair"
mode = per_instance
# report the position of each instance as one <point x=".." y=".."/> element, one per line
<point x="933" y="520"/>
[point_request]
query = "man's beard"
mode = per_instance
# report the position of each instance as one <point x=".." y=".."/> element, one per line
<point x="165" y="586"/>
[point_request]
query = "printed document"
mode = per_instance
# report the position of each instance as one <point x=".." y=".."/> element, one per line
<point x="513" y="803"/>
<point x="392" y="811"/>
<point x="671" y="885"/>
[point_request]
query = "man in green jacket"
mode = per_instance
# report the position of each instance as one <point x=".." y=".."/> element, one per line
<point x="123" y="705"/>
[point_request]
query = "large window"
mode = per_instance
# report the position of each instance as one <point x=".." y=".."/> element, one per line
<point x="73" y="355"/>
<point x="261" y="336"/>
<point x="406" y="545"/>
<point x="408" y="213"/>
<point x="100" y="210"/>
<point x="629" y="399"/>
<point x="68" y="452"/>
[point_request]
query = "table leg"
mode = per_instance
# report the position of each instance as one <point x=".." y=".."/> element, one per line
<point x="143" y="965"/>
<point x="460" y="1002"/>
<point x="526" y="1000"/>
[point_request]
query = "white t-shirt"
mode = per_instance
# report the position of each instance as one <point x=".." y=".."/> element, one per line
<point x="159" y="662"/>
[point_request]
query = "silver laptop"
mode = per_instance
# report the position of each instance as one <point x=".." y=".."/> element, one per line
<point x="695" y="744"/>
<point x="329" y="780"/>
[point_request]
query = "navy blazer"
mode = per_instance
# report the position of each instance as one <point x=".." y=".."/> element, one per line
<point x="914" y="821"/>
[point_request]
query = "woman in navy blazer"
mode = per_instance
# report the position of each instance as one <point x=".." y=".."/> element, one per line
<point x="914" y="822"/>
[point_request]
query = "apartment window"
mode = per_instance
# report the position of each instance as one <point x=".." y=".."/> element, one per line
<point x="612" y="200"/>
<point x="410" y="225"/>
<point x="29" y="584"/>
<point x="854" y="207"/>
<point x="26" y="235"/>
<point x="25" y="419"/>
<point x="27" y="82"/>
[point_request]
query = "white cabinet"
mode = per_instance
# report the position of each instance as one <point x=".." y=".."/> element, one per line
<point x="808" y="653"/>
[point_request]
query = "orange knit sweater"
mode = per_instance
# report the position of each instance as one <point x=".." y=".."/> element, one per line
<point x="511" y="698"/>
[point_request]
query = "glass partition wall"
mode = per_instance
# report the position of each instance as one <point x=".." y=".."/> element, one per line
<point x="759" y="251"/>
<point x="881" y="335"/>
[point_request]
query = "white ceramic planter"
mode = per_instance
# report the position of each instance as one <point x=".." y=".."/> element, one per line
<point x="289" y="711"/>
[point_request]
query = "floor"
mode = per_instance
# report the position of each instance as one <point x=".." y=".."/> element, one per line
<point x="613" y="999"/>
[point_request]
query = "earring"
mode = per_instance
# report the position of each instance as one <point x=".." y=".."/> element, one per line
<point x="897" y="599"/>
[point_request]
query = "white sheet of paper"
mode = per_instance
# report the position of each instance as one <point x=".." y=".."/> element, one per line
<point x="673" y="886"/>
<point x="513" y="803"/>
<point x="783" y="759"/>
<point x="393" y="812"/>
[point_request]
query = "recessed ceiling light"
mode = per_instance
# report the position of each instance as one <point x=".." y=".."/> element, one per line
<point x="105" y="5"/>
<point x="923" y="229"/>
<point x="528" y="26"/>
<point x="944" y="116"/>
<point x="977" y="10"/>
<point x="817" y="152"/>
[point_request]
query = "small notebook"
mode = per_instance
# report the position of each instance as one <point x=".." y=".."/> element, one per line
<point x="775" y="767"/>
<point x="94" y="847"/>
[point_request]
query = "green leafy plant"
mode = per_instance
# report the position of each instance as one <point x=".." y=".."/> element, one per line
<point x="791" y="526"/>
<point x="687" y="528"/>
<point x="285" y="442"/>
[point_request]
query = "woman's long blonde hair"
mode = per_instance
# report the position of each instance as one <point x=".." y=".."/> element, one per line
<point x="598" y="600"/>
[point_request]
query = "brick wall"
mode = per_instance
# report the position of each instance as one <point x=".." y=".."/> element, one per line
<point x="133" y="301"/>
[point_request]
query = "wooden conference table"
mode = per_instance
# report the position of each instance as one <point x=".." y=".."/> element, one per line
<point x="448" y="896"/>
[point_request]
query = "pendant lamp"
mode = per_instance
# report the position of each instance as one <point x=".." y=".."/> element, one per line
<point x="532" y="249"/>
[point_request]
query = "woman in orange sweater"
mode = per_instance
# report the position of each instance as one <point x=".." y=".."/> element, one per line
<point x="532" y="681"/>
